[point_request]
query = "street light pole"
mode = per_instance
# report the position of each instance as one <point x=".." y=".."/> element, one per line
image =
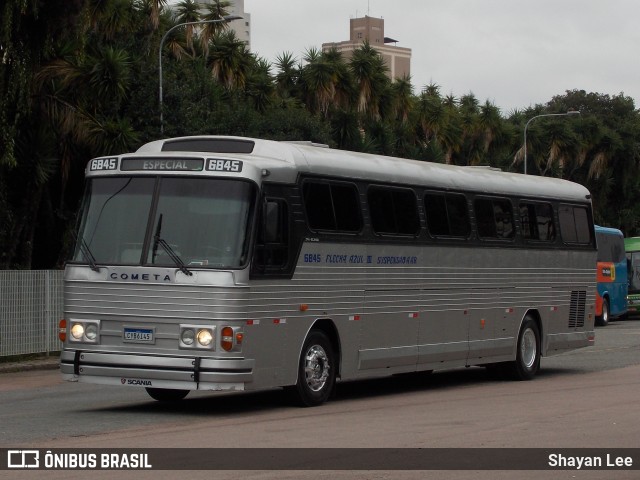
<point x="571" y="112"/>
<point x="226" y="18"/>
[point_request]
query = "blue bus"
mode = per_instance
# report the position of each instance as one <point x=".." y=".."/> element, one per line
<point x="611" y="296"/>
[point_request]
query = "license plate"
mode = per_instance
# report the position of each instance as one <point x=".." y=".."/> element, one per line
<point x="139" y="335"/>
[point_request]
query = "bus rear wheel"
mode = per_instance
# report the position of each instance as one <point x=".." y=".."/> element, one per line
<point x="316" y="370"/>
<point x="527" y="362"/>
<point x="603" y="319"/>
<point x="166" y="394"/>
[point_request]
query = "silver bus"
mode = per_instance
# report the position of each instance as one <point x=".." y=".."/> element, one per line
<point x="235" y="264"/>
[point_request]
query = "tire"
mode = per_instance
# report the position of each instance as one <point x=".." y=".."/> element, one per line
<point x="603" y="320"/>
<point x="527" y="362"/>
<point x="316" y="371"/>
<point x="166" y="394"/>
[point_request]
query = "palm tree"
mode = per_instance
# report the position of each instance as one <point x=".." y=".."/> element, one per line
<point x="562" y="146"/>
<point x="156" y="7"/>
<point x="229" y="60"/>
<point x="490" y="125"/>
<point x="369" y="72"/>
<point x="431" y="113"/>
<point x="287" y="76"/>
<point x="259" y="86"/>
<point x="402" y="98"/>
<point x="74" y="92"/>
<point x="318" y="81"/>
<point x="187" y="11"/>
<point x="217" y="10"/>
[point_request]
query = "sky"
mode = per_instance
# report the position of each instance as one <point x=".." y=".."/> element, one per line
<point x="513" y="53"/>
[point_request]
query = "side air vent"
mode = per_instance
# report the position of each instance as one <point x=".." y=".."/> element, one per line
<point x="577" y="308"/>
<point x="208" y="145"/>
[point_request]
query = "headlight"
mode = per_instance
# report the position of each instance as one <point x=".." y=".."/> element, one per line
<point x="77" y="331"/>
<point x="197" y="337"/>
<point x="187" y="336"/>
<point x="91" y="332"/>
<point x="85" y="331"/>
<point x="205" y="337"/>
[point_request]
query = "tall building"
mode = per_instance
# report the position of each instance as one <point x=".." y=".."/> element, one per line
<point x="371" y="29"/>
<point x="241" y="27"/>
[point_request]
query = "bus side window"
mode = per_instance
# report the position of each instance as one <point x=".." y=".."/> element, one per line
<point x="537" y="221"/>
<point x="494" y="218"/>
<point x="574" y="224"/>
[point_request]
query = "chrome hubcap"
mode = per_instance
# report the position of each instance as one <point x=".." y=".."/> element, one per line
<point x="316" y="367"/>
<point x="528" y="348"/>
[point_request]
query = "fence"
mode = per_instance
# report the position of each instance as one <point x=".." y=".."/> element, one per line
<point x="30" y="309"/>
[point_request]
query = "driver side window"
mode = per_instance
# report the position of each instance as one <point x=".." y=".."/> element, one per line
<point x="271" y="254"/>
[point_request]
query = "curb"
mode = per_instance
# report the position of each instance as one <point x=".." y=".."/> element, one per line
<point x="51" y="363"/>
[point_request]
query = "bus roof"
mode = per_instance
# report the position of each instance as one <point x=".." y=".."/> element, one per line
<point x="286" y="160"/>
<point x="608" y="231"/>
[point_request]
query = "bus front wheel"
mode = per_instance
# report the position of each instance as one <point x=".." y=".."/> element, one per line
<point x="166" y="394"/>
<point x="527" y="362"/>
<point x="316" y="370"/>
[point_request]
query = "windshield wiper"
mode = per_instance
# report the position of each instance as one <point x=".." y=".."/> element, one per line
<point x="158" y="240"/>
<point x="86" y="251"/>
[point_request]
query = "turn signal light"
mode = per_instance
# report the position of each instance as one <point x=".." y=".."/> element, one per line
<point x="226" y="339"/>
<point x="62" y="330"/>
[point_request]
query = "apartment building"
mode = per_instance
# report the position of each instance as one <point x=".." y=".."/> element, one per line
<point x="371" y="29"/>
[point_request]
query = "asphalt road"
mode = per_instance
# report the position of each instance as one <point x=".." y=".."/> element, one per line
<point x="583" y="399"/>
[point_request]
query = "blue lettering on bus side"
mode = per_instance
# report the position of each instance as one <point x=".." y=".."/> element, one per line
<point x="312" y="258"/>
<point x="399" y="260"/>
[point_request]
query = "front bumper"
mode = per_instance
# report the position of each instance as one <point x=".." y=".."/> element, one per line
<point x="184" y="373"/>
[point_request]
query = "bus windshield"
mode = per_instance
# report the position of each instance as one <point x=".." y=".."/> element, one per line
<point x="200" y="222"/>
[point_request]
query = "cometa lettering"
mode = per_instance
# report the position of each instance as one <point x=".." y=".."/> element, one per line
<point x="145" y="277"/>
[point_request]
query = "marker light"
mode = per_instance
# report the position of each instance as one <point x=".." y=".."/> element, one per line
<point x="62" y="330"/>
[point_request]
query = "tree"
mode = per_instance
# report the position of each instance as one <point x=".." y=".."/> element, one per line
<point x="229" y="60"/>
<point x="369" y="72"/>
<point x="187" y="11"/>
<point x="29" y="32"/>
<point x="216" y="11"/>
<point x="287" y="77"/>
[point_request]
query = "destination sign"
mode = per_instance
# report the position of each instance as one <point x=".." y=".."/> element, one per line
<point x="171" y="164"/>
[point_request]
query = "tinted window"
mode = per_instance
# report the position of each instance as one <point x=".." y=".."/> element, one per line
<point x="272" y="248"/>
<point x="494" y="218"/>
<point x="393" y="211"/>
<point x="574" y="224"/>
<point x="332" y="206"/>
<point x="537" y="221"/>
<point x="447" y="214"/>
